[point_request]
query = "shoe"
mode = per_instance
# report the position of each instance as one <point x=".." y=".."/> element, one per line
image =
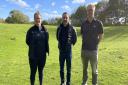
<point x="67" y="83"/>
<point x="62" y="84"/>
<point x="84" y="83"/>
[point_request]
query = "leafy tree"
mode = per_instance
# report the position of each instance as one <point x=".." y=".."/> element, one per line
<point x="15" y="16"/>
<point x="79" y="16"/>
<point x="2" y="20"/>
<point x="45" y="22"/>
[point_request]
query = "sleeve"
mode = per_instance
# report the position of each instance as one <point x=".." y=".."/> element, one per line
<point x="57" y="34"/>
<point x="28" y="38"/>
<point x="81" y="29"/>
<point x="74" y="38"/>
<point x="47" y="42"/>
<point x="100" y="29"/>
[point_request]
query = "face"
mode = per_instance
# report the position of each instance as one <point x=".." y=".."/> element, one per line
<point x="65" y="19"/>
<point x="90" y="11"/>
<point x="37" y="20"/>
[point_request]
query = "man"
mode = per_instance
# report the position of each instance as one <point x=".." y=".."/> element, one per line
<point x="37" y="41"/>
<point x="66" y="36"/>
<point x="92" y="33"/>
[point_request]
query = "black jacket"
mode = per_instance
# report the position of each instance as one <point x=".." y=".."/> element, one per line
<point x="37" y="40"/>
<point x="62" y="35"/>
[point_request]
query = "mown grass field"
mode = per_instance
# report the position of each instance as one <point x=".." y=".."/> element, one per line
<point x="14" y="66"/>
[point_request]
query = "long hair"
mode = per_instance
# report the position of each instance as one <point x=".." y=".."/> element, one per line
<point x="43" y="27"/>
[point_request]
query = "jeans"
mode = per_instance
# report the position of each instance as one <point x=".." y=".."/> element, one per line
<point x="91" y="56"/>
<point x="65" y="56"/>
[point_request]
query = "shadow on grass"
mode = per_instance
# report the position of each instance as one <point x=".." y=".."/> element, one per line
<point x="112" y="32"/>
<point x="115" y="32"/>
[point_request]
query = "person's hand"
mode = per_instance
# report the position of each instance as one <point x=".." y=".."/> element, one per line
<point x="48" y="53"/>
<point x="69" y="38"/>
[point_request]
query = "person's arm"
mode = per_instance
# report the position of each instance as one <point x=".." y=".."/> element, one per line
<point x="74" y="38"/>
<point x="81" y="31"/>
<point x="57" y="34"/>
<point x="47" y="42"/>
<point x="100" y="32"/>
<point x="100" y="37"/>
<point x="28" y="37"/>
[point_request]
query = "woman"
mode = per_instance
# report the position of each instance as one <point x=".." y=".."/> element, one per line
<point x="37" y="40"/>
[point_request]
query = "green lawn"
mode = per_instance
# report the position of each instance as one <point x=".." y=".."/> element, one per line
<point x="14" y="67"/>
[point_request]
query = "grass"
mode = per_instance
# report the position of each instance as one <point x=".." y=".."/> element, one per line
<point x="14" y="66"/>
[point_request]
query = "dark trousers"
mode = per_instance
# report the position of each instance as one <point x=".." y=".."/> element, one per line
<point x="65" y="56"/>
<point x="34" y="64"/>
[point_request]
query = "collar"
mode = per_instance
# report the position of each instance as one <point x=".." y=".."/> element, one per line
<point x="64" y="26"/>
<point x="94" y="19"/>
<point x="39" y="28"/>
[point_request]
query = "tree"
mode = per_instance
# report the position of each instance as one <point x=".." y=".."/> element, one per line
<point x="101" y="8"/>
<point x="54" y="21"/>
<point x="2" y="20"/>
<point x="45" y="22"/>
<point x="126" y="11"/>
<point x="58" y="20"/>
<point x="79" y="16"/>
<point x="15" y="16"/>
<point x="115" y="8"/>
<point x="112" y="11"/>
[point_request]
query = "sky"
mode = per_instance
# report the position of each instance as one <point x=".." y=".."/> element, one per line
<point x="48" y="8"/>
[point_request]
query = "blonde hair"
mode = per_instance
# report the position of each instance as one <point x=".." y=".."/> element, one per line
<point x="91" y="5"/>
